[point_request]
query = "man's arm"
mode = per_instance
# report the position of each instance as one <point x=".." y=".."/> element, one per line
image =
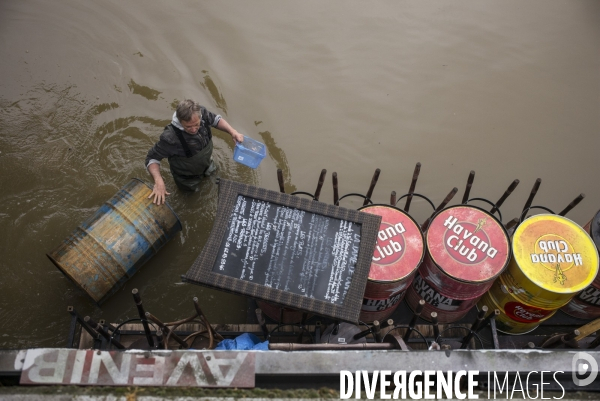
<point x="224" y="126"/>
<point x="159" y="151"/>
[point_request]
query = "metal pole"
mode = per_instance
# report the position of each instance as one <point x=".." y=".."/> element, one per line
<point x="142" y="314"/>
<point x="334" y="180"/>
<point x="393" y="198"/>
<point x="413" y="320"/>
<point x="103" y="332"/>
<point x="480" y="316"/>
<point x="468" y="187"/>
<point x="261" y="322"/>
<point x="572" y="205"/>
<point x="413" y="184"/>
<point x="447" y="199"/>
<point x="372" y="186"/>
<point x="508" y="191"/>
<point x="280" y="180"/>
<point x="167" y="330"/>
<point x="320" y="184"/>
<point x="536" y="186"/>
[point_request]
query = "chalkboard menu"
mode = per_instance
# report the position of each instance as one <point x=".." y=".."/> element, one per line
<point x="289" y="250"/>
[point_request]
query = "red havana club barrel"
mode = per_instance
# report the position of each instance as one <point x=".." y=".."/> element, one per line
<point x="398" y="254"/>
<point x="586" y="305"/>
<point x="553" y="260"/>
<point x="467" y="249"/>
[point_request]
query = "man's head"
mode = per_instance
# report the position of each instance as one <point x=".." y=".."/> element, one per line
<point x="188" y="114"/>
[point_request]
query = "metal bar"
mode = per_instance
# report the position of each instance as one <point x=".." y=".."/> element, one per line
<point x="480" y="316"/>
<point x="82" y="322"/>
<point x="571" y="205"/>
<point x="508" y="191"/>
<point x="596" y="342"/>
<point x="103" y="332"/>
<point x="536" y="186"/>
<point x="72" y="330"/>
<point x="447" y="199"/>
<point x="495" y="313"/>
<point x="393" y="198"/>
<point x="167" y="330"/>
<point x="372" y="186"/>
<point x="336" y="196"/>
<point x="413" y="184"/>
<point x="261" y="322"/>
<point x="204" y="319"/>
<point x="494" y="330"/>
<point x="468" y="187"/>
<point x="511" y="223"/>
<point x="320" y="184"/>
<point x="142" y="313"/>
<point x="280" y="180"/>
<point x="413" y="320"/>
<point x="377" y="331"/>
<point x="160" y="339"/>
<point x="330" y="347"/>
<point x="436" y="327"/>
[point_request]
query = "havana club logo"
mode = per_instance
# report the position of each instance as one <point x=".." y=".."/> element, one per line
<point x="467" y="242"/>
<point x="390" y="243"/>
<point x="555" y="253"/>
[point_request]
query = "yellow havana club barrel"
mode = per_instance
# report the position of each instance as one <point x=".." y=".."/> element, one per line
<point x="398" y="254"/>
<point x="112" y="244"/>
<point x="467" y="249"/>
<point x="553" y="260"/>
<point x="517" y="317"/>
<point x="586" y="305"/>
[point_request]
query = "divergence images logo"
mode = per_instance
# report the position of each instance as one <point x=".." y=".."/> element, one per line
<point x="583" y="364"/>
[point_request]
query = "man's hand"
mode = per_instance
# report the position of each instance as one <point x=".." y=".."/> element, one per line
<point x="159" y="191"/>
<point x="237" y="137"/>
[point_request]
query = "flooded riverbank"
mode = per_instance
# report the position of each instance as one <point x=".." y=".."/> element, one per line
<point x="510" y="90"/>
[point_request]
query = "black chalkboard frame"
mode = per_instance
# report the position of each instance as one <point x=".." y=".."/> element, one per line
<point x="201" y="271"/>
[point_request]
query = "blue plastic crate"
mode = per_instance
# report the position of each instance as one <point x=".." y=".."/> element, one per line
<point x="250" y="152"/>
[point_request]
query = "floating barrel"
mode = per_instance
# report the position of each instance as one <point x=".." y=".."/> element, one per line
<point x="553" y="260"/>
<point x="111" y="245"/>
<point x="586" y="305"/>
<point x="467" y="249"/>
<point x="398" y="254"/>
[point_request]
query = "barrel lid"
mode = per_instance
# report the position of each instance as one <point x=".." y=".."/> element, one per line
<point x="555" y="253"/>
<point x="595" y="229"/>
<point x="468" y="243"/>
<point x="400" y="248"/>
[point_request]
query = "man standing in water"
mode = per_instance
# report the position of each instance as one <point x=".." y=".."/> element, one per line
<point x="187" y="143"/>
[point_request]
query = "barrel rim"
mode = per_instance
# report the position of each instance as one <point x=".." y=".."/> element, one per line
<point x="166" y="203"/>
<point x="503" y="229"/>
<point x="423" y="251"/>
<point x="544" y="285"/>
<point x="595" y="229"/>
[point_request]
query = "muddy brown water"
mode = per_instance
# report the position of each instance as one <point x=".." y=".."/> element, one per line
<point x="509" y="89"/>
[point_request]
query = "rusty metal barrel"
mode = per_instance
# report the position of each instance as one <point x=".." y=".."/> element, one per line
<point x="110" y="246"/>
<point x="467" y="249"/>
<point x="553" y="260"/>
<point x="586" y="305"/>
<point x="398" y="254"/>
